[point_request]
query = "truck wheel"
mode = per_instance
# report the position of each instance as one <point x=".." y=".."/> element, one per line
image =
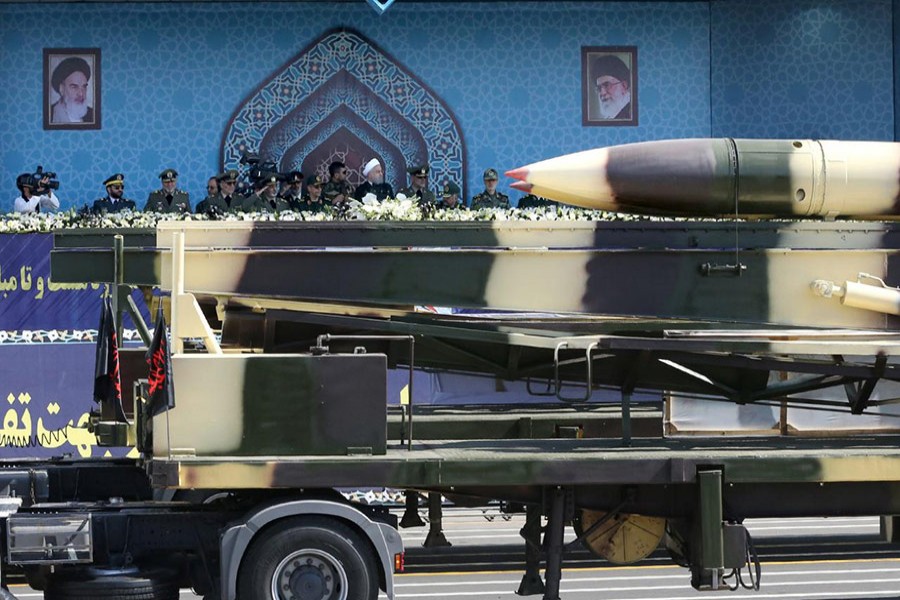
<point x="114" y="585"/>
<point x="309" y="559"/>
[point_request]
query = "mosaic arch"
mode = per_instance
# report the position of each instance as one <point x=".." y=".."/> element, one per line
<point x="343" y="98"/>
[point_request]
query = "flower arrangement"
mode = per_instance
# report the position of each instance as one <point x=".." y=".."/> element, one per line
<point x="369" y="209"/>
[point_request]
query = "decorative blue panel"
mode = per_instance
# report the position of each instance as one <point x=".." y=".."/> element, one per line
<point x="345" y="85"/>
<point x="806" y="68"/>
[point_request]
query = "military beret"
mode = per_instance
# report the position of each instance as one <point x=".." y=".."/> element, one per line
<point x="314" y="180"/>
<point x="420" y="171"/>
<point x="612" y="66"/>
<point x="295" y="177"/>
<point x="169" y="175"/>
<point x="117" y="179"/>
<point x="230" y="176"/>
<point x="491" y="174"/>
<point x="67" y="67"/>
<point x="451" y="189"/>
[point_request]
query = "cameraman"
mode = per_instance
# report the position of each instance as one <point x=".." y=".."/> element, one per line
<point x="36" y="194"/>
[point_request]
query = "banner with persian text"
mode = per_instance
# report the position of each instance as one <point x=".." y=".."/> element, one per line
<point x="45" y="398"/>
<point x="31" y="301"/>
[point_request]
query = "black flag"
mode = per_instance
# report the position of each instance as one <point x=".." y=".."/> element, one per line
<point x="162" y="392"/>
<point x="107" y="382"/>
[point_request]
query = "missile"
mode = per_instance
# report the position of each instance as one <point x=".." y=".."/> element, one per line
<point x="726" y="177"/>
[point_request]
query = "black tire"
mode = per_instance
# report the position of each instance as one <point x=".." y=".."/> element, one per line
<point x="150" y="585"/>
<point x="319" y="545"/>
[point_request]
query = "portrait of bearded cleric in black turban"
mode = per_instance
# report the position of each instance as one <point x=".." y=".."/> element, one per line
<point x="71" y="88"/>
<point x="609" y="85"/>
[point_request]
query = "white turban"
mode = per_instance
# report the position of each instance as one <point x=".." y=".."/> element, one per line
<point x="369" y="166"/>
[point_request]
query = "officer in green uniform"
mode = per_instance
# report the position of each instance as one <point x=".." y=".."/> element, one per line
<point x="227" y="200"/>
<point x="418" y="186"/>
<point x="490" y="197"/>
<point x="168" y="199"/>
<point x="312" y="200"/>
<point x="115" y="199"/>
<point x="293" y="188"/>
<point x="338" y="190"/>
<point x="450" y="196"/>
<point x="265" y="196"/>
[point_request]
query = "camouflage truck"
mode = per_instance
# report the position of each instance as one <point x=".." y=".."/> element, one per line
<point x="281" y="338"/>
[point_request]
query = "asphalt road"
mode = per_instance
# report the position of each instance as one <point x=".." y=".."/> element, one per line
<point x="807" y="559"/>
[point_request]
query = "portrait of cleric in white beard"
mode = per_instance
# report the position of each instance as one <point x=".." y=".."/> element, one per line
<point x="72" y="94"/>
<point x="610" y="97"/>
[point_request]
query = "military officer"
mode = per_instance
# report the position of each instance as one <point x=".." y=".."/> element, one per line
<point x="418" y="186"/>
<point x="338" y="190"/>
<point x="312" y="200"/>
<point x="226" y="200"/>
<point x="293" y="188"/>
<point x="265" y="196"/>
<point x="450" y="196"/>
<point x="169" y="199"/>
<point x="115" y="199"/>
<point x="374" y="183"/>
<point x="490" y="197"/>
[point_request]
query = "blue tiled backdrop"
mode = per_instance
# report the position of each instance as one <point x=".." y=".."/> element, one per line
<point x="173" y="74"/>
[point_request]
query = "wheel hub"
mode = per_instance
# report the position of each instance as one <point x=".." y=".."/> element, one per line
<point x="309" y="575"/>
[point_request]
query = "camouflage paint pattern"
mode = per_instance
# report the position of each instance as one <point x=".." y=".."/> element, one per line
<point x="726" y="177"/>
<point x="811" y="477"/>
<point x="681" y="270"/>
<point x="274" y="405"/>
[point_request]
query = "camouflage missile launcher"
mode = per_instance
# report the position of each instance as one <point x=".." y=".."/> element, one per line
<point x="709" y="308"/>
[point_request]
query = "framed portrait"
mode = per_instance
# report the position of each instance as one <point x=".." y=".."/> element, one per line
<point x="72" y="88"/>
<point x="609" y="90"/>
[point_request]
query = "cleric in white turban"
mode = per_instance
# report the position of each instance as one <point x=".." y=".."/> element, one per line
<point x="374" y="183"/>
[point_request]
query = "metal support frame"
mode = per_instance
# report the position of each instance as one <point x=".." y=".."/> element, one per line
<point x="859" y="397"/>
<point x="553" y="542"/>
<point x="411" y="516"/>
<point x="435" y="537"/>
<point x="712" y="542"/>
<point x="531" y="584"/>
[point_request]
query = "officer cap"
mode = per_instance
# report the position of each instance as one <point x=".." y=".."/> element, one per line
<point x="295" y="177"/>
<point x="117" y="179"/>
<point x="451" y="189"/>
<point x="67" y="67"/>
<point x="315" y="180"/>
<point x="420" y="171"/>
<point x="230" y="176"/>
<point x="266" y="180"/>
<point x="490" y="174"/>
<point x="168" y="175"/>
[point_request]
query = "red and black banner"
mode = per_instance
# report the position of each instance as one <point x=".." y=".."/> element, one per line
<point x="107" y="381"/>
<point x="159" y="357"/>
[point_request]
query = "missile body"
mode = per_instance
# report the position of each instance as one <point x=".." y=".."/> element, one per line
<point x="726" y="177"/>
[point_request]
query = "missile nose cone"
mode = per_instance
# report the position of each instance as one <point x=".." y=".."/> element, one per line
<point x="521" y="174"/>
<point x="522" y="186"/>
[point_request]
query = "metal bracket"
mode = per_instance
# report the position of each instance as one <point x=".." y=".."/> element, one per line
<point x="859" y="396"/>
<point x="711" y="269"/>
<point x="589" y="373"/>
